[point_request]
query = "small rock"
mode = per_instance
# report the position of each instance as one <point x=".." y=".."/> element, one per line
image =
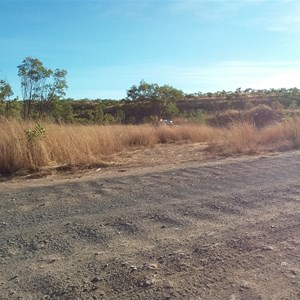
<point x="147" y="283"/>
<point x="151" y="266"/>
<point x="133" y="268"/>
<point x="96" y="279"/>
<point x="168" y="285"/>
<point x="244" y="285"/>
<point x="267" y="248"/>
<point x="293" y="272"/>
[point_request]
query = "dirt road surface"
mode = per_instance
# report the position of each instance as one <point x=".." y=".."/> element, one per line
<point x="225" y="229"/>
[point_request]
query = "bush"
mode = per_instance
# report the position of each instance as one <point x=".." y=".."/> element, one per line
<point x="37" y="133"/>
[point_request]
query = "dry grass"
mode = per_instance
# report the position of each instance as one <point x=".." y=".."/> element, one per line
<point x="241" y="137"/>
<point x="282" y="135"/>
<point x="93" y="145"/>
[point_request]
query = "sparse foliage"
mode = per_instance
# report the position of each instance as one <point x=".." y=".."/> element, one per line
<point x="37" y="133"/>
<point x="39" y="83"/>
<point x="5" y="90"/>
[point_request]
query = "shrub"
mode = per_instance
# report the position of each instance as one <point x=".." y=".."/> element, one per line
<point x="37" y="133"/>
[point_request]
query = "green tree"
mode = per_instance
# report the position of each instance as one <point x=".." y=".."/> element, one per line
<point x="5" y="90"/>
<point x="144" y="92"/>
<point x="170" y="110"/>
<point x="168" y="93"/>
<point x="39" y="83"/>
<point x="55" y="89"/>
<point x="5" y="93"/>
<point x="152" y="92"/>
<point x="62" y="111"/>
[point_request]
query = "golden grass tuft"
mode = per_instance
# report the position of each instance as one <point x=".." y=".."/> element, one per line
<point x="95" y="144"/>
<point x="241" y="137"/>
<point x="281" y="134"/>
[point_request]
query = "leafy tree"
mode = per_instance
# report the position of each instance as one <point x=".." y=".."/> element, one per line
<point x="168" y="93"/>
<point x="144" y="92"/>
<point x="209" y="95"/>
<point x="33" y="76"/>
<point x="39" y="83"/>
<point x="54" y="89"/>
<point x="5" y="93"/>
<point x="153" y="92"/>
<point x="62" y="111"/>
<point x="5" y="90"/>
<point x="171" y="110"/>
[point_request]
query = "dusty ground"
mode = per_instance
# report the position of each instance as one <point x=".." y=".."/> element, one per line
<point x="185" y="229"/>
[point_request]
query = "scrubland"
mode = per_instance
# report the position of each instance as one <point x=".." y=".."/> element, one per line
<point x="79" y="145"/>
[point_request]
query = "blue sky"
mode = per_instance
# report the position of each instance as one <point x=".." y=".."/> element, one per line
<point x="108" y="45"/>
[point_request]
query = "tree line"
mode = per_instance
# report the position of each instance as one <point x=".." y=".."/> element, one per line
<point x="44" y="91"/>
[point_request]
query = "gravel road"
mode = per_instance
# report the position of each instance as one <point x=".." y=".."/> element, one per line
<point x="226" y="229"/>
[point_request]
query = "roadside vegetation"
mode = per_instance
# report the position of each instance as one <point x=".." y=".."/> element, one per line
<point x="46" y="130"/>
<point x="25" y="145"/>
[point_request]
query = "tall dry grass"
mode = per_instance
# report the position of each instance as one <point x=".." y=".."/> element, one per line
<point x="285" y="134"/>
<point x="93" y="144"/>
<point x="83" y="144"/>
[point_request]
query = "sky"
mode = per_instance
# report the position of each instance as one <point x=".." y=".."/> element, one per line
<point x="194" y="45"/>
